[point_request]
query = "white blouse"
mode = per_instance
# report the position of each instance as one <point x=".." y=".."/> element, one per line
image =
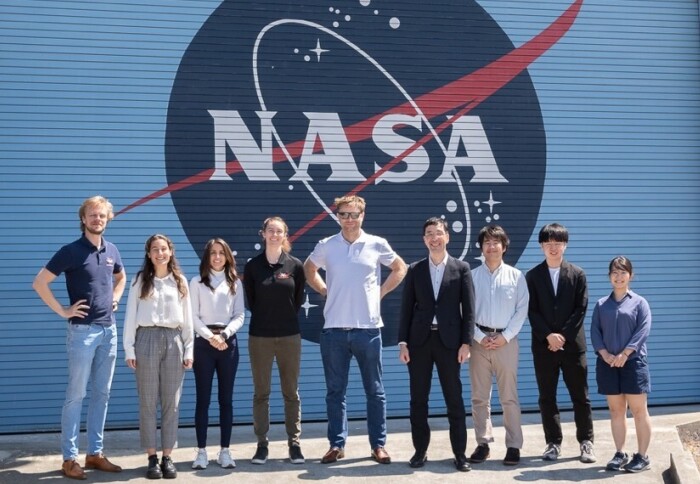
<point x="218" y="307"/>
<point x="164" y="308"/>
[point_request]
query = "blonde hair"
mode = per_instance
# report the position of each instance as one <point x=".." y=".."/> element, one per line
<point x="358" y="201"/>
<point x="96" y="201"/>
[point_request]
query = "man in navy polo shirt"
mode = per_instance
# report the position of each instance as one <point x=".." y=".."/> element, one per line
<point x="95" y="279"/>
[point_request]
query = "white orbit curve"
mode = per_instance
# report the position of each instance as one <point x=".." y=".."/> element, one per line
<point x="386" y="74"/>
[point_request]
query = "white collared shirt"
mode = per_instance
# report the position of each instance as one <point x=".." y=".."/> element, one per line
<point x="502" y="300"/>
<point x="437" y="272"/>
<point x="164" y="308"/>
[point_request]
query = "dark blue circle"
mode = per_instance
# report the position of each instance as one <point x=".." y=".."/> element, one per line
<point x="434" y="45"/>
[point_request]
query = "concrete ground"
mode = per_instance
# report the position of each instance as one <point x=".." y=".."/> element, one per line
<point x="32" y="458"/>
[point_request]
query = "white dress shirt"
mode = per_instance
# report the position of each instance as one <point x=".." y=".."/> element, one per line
<point x="437" y="272"/>
<point x="501" y="300"/>
<point x="218" y="307"/>
<point x="164" y="308"/>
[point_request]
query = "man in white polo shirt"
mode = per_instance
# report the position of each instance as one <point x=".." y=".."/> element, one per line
<point x="352" y="260"/>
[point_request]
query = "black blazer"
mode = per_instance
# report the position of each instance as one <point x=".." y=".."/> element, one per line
<point x="563" y="313"/>
<point x="454" y="307"/>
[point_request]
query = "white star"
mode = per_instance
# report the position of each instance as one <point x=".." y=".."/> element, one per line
<point x="307" y="305"/>
<point x="491" y="202"/>
<point x="318" y="50"/>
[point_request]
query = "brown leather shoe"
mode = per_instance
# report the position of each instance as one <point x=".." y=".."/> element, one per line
<point x="100" y="462"/>
<point x="72" y="470"/>
<point x="333" y="454"/>
<point x="381" y="455"/>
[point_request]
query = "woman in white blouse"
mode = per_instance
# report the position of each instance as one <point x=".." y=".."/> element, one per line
<point x="158" y="343"/>
<point x="218" y="311"/>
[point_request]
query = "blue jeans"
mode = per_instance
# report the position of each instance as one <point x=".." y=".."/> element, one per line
<point x="92" y="353"/>
<point x="338" y="346"/>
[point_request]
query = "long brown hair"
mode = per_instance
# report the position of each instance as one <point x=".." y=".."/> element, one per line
<point x="286" y="245"/>
<point x="229" y="266"/>
<point x="148" y="271"/>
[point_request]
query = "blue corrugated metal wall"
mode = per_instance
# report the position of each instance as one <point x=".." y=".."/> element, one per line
<point x="85" y="95"/>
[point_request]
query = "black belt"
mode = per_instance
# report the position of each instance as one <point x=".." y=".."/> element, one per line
<point x="486" y="329"/>
<point x="217" y="329"/>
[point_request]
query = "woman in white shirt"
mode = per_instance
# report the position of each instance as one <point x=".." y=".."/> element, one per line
<point x="218" y="311"/>
<point x="158" y="343"/>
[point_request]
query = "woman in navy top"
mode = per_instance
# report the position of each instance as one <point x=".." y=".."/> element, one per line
<point x="619" y="332"/>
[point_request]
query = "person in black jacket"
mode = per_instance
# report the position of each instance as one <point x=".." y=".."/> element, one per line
<point x="558" y="302"/>
<point x="436" y="327"/>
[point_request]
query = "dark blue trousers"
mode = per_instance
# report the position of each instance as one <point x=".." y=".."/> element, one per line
<point x="207" y="361"/>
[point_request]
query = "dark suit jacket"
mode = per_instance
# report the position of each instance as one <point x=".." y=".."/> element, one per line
<point x="563" y="313"/>
<point x="454" y="307"/>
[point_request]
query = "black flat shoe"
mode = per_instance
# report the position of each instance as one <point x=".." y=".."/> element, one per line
<point x="418" y="460"/>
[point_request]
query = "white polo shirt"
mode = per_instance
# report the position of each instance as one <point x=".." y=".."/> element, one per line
<point x="353" y="279"/>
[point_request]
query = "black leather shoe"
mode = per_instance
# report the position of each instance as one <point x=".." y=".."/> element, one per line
<point x="480" y="454"/>
<point x="512" y="457"/>
<point x="153" y="471"/>
<point x="418" y="460"/>
<point x="168" y="468"/>
<point x="461" y="463"/>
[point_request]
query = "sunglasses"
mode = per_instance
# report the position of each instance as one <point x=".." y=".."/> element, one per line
<point x="347" y="215"/>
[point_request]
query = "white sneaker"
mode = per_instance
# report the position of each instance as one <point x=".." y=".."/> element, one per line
<point x="551" y="452"/>
<point x="587" y="455"/>
<point x="225" y="460"/>
<point x="201" y="460"/>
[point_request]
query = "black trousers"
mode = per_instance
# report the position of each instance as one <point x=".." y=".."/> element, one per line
<point x="573" y="366"/>
<point x="420" y="371"/>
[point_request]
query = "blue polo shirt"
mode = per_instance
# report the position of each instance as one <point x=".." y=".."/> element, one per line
<point x="90" y="276"/>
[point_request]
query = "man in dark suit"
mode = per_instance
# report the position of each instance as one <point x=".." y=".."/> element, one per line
<point x="558" y="302"/>
<point x="436" y="328"/>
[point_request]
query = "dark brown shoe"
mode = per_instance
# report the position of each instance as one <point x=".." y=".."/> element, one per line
<point x="333" y="454"/>
<point x="72" y="470"/>
<point x="381" y="455"/>
<point x="101" y="463"/>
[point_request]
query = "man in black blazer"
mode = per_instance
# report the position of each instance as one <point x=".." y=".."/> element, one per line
<point x="558" y="302"/>
<point x="436" y="328"/>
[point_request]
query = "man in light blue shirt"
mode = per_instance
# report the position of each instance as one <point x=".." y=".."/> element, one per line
<point x="352" y="260"/>
<point x="501" y="308"/>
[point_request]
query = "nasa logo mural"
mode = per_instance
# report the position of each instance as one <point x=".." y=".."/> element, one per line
<point x="279" y="107"/>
